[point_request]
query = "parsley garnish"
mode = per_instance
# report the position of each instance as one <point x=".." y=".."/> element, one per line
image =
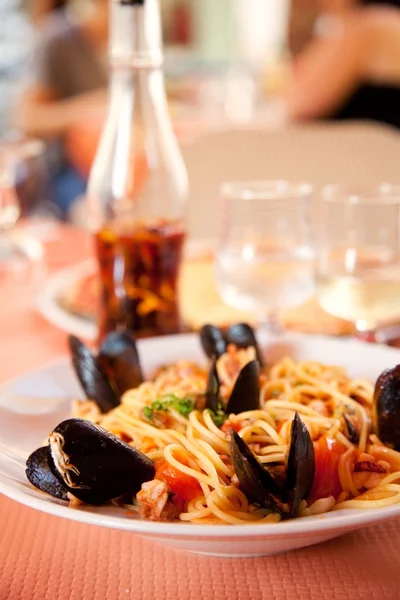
<point x="147" y="412"/>
<point x="183" y="406"/>
<point x="219" y="416"/>
<point x="160" y="405"/>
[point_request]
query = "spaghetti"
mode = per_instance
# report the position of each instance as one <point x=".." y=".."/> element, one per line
<point x="195" y="479"/>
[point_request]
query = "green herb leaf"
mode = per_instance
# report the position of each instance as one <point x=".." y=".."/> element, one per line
<point x="183" y="406"/>
<point x="219" y="417"/>
<point x="160" y="405"/>
<point x="147" y="412"/>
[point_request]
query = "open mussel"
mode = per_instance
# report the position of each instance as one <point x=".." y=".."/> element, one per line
<point x="246" y="391"/>
<point x="386" y="407"/>
<point x="256" y="482"/>
<point x="261" y="487"/>
<point x="245" y="394"/>
<point x="116" y="368"/>
<point x="89" y="462"/>
<point x="215" y="341"/>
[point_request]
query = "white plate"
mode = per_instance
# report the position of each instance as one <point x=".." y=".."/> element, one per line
<point x="56" y="285"/>
<point x="24" y="425"/>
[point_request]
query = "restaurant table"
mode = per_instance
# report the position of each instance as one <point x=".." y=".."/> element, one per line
<point x="43" y="557"/>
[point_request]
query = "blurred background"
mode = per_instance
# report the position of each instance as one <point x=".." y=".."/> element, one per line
<point x="229" y="63"/>
<point x="201" y="37"/>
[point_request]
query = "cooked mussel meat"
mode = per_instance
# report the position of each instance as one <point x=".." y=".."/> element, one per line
<point x="243" y="336"/>
<point x="214" y="340"/>
<point x="261" y="487"/>
<point x="245" y="394"/>
<point x="94" y="465"/>
<point x="39" y="474"/>
<point x="386" y="407"/>
<point x="105" y="377"/>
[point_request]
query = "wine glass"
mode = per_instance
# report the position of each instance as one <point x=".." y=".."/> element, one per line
<point x="358" y="265"/>
<point x="264" y="259"/>
<point x="21" y="254"/>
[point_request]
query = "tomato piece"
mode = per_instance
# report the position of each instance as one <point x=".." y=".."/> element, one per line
<point x="228" y="425"/>
<point x="184" y="486"/>
<point x="326" y="480"/>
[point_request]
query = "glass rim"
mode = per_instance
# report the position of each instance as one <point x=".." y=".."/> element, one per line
<point x="268" y="189"/>
<point x="374" y="194"/>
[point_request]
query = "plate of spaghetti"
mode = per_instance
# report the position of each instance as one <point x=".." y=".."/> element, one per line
<point x="222" y="443"/>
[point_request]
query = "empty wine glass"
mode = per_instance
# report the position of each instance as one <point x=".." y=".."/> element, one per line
<point x="358" y="266"/>
<point x="264" y="259"/>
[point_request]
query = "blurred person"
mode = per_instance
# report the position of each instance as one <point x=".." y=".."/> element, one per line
<point x="67" y="85"/>
<point x="351" y="69"/>
<point x="37" y="9"/>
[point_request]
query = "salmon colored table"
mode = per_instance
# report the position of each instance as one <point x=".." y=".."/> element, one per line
<point x="46" y="558"/>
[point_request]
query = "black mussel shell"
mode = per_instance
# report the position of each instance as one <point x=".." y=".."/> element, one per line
<point x="255" y="481"/>
<point x="386" y="407"/>
<point x="300" y="468"/>
<point x="350" y="430"/>
<point x="119" y="359"/>
<point x="213" y="401"/>
<point x="212" y="341"/>
<point x="243" y="336"/>
<point x="39" y="474"/>
<point x="94" y="465"/>
<point x="246" y="391"/>
<point x="94" y="382"/>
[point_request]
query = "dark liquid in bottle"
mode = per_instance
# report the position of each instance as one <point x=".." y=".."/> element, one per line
<point x="139" y="270"/>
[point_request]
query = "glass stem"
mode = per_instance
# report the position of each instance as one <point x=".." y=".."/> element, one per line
<point x="269" y="322"/>
<point x="365" y="331"/>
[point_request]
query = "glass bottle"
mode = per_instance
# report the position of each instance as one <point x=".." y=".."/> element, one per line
<point x="138" y="183"/>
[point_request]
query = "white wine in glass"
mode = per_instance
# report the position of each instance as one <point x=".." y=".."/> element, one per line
<point x="358" y="266"/>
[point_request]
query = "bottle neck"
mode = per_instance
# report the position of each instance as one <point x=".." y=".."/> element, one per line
<point x="136" y="37"/>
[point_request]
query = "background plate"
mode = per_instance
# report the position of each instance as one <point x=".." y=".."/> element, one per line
<point x="52" y="309"/>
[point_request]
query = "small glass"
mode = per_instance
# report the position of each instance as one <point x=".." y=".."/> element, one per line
<point x="21" y="254"/>
<point x="264" y="260"/>
<point x="358" y="266"/>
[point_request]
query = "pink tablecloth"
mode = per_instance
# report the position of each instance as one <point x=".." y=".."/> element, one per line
<point x="46" y="558"/>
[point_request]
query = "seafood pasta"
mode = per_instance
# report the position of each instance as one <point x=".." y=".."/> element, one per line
<point x="238" y="441"/>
